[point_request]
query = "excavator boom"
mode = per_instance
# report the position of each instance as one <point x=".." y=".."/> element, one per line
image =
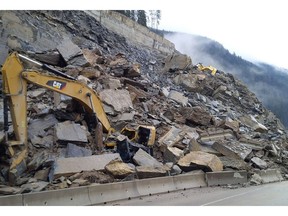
<point x="15" y="79"/>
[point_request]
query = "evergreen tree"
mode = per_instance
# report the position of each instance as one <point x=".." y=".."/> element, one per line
<point x="133" y="15"/>
<point x="158" y="17"/>
<point x="141" y="15"/>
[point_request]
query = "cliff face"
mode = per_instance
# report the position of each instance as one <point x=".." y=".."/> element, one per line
<point x="206" y="122"/>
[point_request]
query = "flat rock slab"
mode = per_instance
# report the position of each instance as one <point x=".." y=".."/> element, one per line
<point x="69" y="166"/>
<point x="259" y="163"/>
<point x="142" y="158"/>
<point x="234" y="163"/>
<point x="68" y="49"/>
<point x="232" y="149"/>
<point x="77" y="151"/>
<point x="120" y="100"/>
<point x="150" y="172"/>
<point x="178" y="97"/>
<point x="69" y="131"/>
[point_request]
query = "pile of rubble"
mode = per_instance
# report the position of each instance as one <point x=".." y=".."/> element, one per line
<point x="203" y="122"/>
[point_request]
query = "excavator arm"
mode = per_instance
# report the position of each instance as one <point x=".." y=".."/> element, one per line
<point x="15" y="80"/>
<point x="207" y="68"/>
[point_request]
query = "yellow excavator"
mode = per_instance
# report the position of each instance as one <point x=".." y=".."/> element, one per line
<point x="15" y="79"/>
<point x="201" y="67"/>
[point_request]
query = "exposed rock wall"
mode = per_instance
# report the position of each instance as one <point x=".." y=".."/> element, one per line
<point x="128" y="28"/>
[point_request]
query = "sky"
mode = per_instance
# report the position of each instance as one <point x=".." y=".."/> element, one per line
<point x="253" y="29"/>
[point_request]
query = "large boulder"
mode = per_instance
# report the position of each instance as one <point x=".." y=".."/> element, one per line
<point x="119" y="169"/>
<point x="177" y="62"/>
<point x="200" y="160"/>
<point x="196" y="115"/>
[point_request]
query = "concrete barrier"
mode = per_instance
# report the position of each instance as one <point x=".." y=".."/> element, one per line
<point x="64" y="197"/>
<point x="270" y="175"/>
<point x="102" y="193"/>
<point x="11" y="200"/>
<point x="226" y="177"/>
<point x="187" y="181"/>
<point x="155" y="185"/>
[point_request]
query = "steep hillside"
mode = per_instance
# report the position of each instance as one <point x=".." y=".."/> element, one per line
<point x="202" y="122"/>
<point x="266" y="81"/>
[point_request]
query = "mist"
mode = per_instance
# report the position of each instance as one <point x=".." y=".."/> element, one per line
<point x="267" y="82"/>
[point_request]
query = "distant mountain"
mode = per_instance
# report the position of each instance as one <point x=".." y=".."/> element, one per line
<point x="270" y="84"/>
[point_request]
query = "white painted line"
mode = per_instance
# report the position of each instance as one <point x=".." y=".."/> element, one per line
<point x="231" y="197"/>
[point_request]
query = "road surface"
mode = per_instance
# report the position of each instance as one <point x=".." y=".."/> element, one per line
<point x="273" y="194"/>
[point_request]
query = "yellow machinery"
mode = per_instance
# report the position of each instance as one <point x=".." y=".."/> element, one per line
<point x="15" y="79"/>
<point x="206" y="68"/>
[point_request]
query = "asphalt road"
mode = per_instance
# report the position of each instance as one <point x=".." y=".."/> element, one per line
<point x="273" y="194"/>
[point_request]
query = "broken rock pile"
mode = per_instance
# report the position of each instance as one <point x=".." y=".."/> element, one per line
<point x="203" y="122"/>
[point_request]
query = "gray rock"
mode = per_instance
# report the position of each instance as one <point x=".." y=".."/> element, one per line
<point x="232" y="149"/>
<point x="6" y="190"/>
<point x="45" y="142"/>
<point x="256" y="179"/>
<point x="178" y="97"/>
<point x="120" y="100"/>
<point x="38" y="160"/>
<point x="70" y="166"/>
<point x="175" y="170"/>
<point x="73" y="150"/>
<point x="269" y="175"/>
<point x="69" y="131"/>
<point x="259" y="163"/>
<point x="142" y="158"/>
<point x="234" y="163"/>
<point x="42" y="174"/>
<point x="251" y="122"/>
<point x="36" y="93"/>
<point x="33" y="187"/>
<point x="71" y="53"/>
<point x="126" y="117"/>
<point x="38" y="126"/>
<point x="173" y="154"/>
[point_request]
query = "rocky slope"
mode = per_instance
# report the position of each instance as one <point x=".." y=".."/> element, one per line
<point x="268" y="82"/>
<point x="203" y="122"/>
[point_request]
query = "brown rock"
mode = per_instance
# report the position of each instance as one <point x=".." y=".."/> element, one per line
<point x="200" y="160"/>
<point x="196" y="115"/>
<point x="177" y="62"/>
<point x="134" y="71"/>
<point x="90" y="73"/>
<point x="150" y="172"/>
<point x="42" y="175"/>
<point x="119" y="169"/>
